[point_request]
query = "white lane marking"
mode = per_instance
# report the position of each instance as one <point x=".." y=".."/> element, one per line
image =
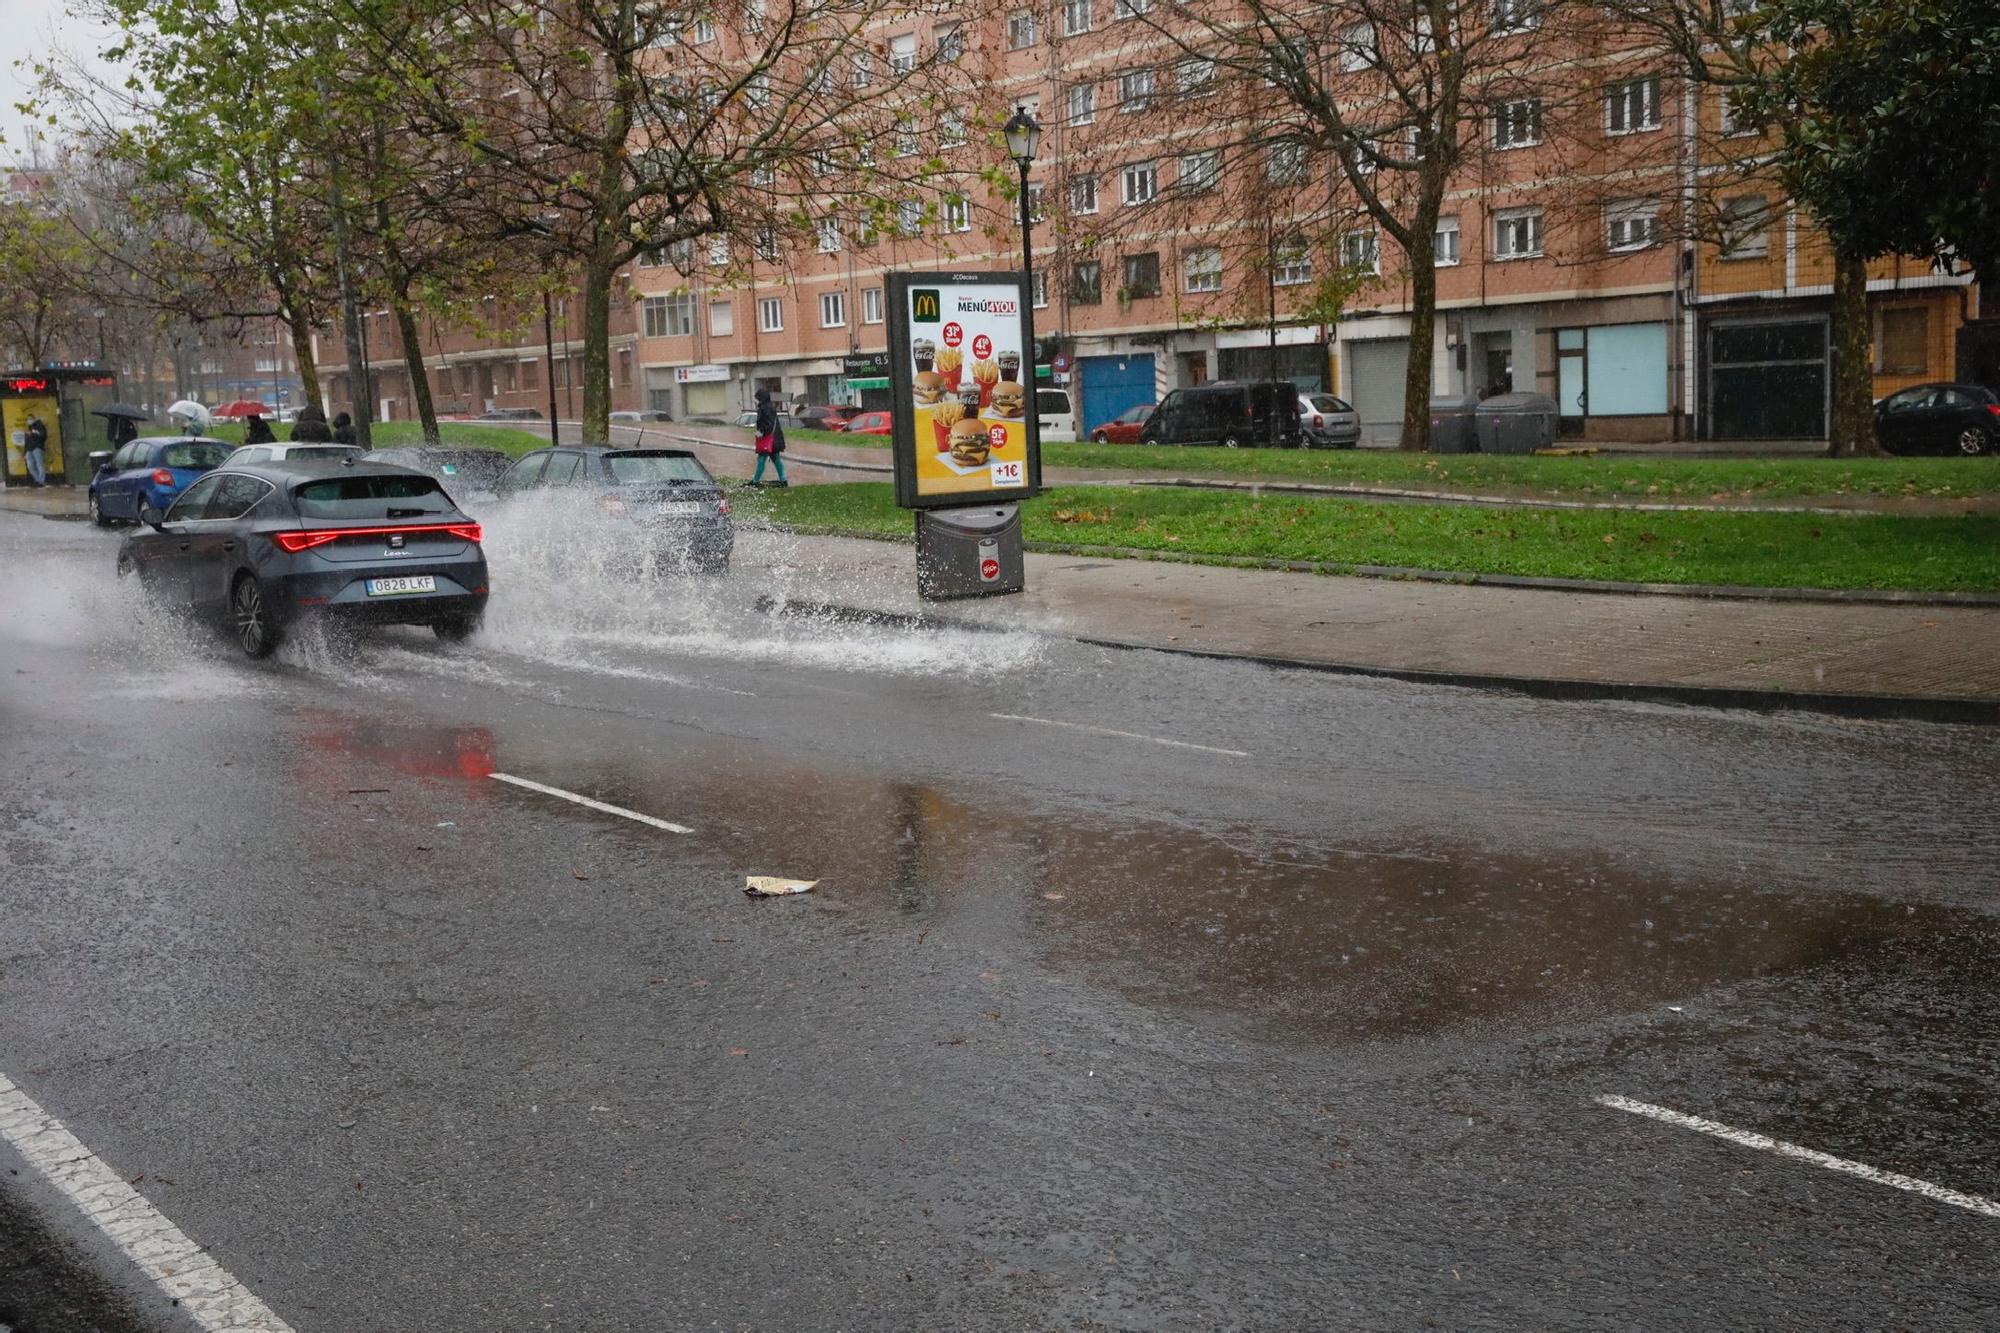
<point x="1746" y="1138"/>
<point x="618" y="810"/>
<point x="1128" y="735"/>
<point x="181" y="1268"/>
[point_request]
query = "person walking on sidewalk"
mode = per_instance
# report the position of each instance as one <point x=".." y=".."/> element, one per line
<point x="34" y="444"/>
<point x="770" y="441"/>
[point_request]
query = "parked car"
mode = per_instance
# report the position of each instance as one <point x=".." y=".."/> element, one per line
<point x="1056" y="416"/>
<point x="661" y="501"/>
<point x="462" y="468"/>
<point x="870" y="423"/>
<point x="258" y="546"/>
<point x="748" y="420"/>
<point x="151" y="472"/>
<point x="643" y="417"/>
<point x="1328" y="421"/>
<point x="511" y="414"/>
<point x="1939" y="419"/>
<point x="295" y="453"/>
<point x="826" y="418"/>
<point x="1123" y="428"/>
<point x="1231" y="413"/>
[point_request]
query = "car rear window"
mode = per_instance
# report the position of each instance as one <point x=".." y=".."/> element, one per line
<point x="1326" y="402"/>
<point x="194" y="455"/>
<point x="1051" y="402"/>
<point x="372" y="497"/>
<point x="653" y="469"/>
<point x="322" y="451"/>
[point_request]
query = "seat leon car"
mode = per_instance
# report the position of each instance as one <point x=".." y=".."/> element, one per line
<point x="258" y="547"/>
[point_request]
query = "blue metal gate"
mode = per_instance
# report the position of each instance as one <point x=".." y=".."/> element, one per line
<point x="1110" y="385"/>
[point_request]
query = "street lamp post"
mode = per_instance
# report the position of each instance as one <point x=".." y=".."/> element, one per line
<point x="549" y="358"/>
<point x="1023" y="136"/>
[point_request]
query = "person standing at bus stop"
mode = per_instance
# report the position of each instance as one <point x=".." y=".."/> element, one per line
<point x="34" y="446"/>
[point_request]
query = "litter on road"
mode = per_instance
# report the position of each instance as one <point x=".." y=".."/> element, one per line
<point x="769" y="886"/>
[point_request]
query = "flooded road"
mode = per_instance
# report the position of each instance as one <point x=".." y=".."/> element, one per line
<point x="1135" y="991"/>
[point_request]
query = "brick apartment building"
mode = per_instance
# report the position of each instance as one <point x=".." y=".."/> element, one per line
<point x="1639" y="327"/>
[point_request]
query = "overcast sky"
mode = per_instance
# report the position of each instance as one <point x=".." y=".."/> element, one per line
<point x="36" y="26"/>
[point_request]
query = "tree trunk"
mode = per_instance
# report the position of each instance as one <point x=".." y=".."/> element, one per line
<point x="302" y="352"/>
<point x="1851" y="431"/>
<point x="1417" y="373"/>
<point x="413" y="362"/>
<point x="597" y="347"/>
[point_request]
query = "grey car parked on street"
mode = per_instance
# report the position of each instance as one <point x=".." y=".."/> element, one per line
<point x="257" y="547"/>
<point x="657" y="506"/>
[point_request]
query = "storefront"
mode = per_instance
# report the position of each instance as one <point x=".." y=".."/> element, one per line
<point x="64" y="398"/>
<point x="704" y="391"/>
<point x="867" y="379"/>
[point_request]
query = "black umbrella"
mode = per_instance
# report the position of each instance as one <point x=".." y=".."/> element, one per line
<point x="122" y="410"/>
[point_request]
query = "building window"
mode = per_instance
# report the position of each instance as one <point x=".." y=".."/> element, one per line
<point x="829" y="235"/>
<point x="1201" y="172"/>
<point x="1357" y="47"/>
<point x="766" y="245"/>
<point x="1201" y="270"/>
<point x="771" y="314"/>
<point x="1291" y="264"/>
<point x="1041" y="288"/>
<point x="704" y="31"/>
<point x="753" y="17"/>
<point x="1086" y="283"/>
<point x="718" y="251"/>
<point x="909" y="217"/>
<point x="833" y="310"/>
<point x="1076" y="17"/>
<point x="957" y="213"/>
<point x="1142" y="276"/>
<point x="950" y="42"/>
<point x="1037" y="209"/>
<point x="1083" y="104"/>
<point x="862" y="71"/>
<point x="1517" y="233"/>
<point x="1903" y="341"/>
<point x="653" y="314"/>
<point x="1361" y="249"/>
<point x="1141" y="182"/>
<point x="903" y="53"/>
<point x="1632" y="106"/>
<point x="1083" y="194"/>
<point x="1516" y="15"/>
<point x="1518" y="124"/>
<point x="1130" y="9"/>
<point x="1735" y="123"/>
<point x="1633" y="226"/>
<point x="951" y="129"/>
<point x="1020" y="30"/>
<point x="1746" y="223"/>
<point x="1286" y="163"/>
<point x="906" y="137"/>
<point x="871" y="305"/>
<point x="1135" y="90"/>
<point x="721" y="318"/>
<point x="1445" y="243"/>
<point x="680" y="315"/>
<point x="757" y="90"/>
<point x="1195" y="76"/>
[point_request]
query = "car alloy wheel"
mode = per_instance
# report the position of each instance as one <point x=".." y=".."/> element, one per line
<point x="127" y="566"/>
<point x="97" y="512"/>
<point x="1100" y="438"/>
<point x="1231" y="442"/>
<point x="1972" y="441"/>
<point x="254" y="630"/>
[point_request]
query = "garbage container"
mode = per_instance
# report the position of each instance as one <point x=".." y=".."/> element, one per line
<point x="1517" y="423"/>
<point x="969" y="552"/>
<point x="1451" y="423"/>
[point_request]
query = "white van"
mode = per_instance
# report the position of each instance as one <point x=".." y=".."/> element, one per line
<point x="1058" y="416"/>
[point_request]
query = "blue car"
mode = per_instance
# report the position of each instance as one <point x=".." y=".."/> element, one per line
<point x="150" y="472"/>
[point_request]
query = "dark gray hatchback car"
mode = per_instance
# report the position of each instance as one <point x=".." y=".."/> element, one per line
<point x="262" y="545"/>
<point x="658" y="503"/>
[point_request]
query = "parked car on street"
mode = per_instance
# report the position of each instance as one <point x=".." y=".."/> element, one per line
<point x="511" y="414"/>
<point x="1056" y="416"/>
<point x="1328" y="422"/>
<point x="643" y="417"/>
<point x="295" y="453"/>
<point x="1939" y="419"/>
<point x="826" y="418"/>
<point x="1123" y="428"/>
<point x="259" y="546"/>
<point x="658" y="502"/>
<point x="150" y="471"/>
<point x="463" y="469"/>
<point x="870" y="423"/>
<point x="748" y="420"/>
<point x="1231" y="413"/>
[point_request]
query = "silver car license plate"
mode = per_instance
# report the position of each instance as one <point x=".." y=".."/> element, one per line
<point x="681" y="508"/>
<point x="392" y="587"/>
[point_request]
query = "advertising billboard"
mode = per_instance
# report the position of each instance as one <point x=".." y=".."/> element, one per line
<point x="963" y="417"/>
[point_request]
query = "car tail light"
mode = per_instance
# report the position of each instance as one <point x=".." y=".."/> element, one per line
<point x="306" y="540"/>
<point x="1994" y="408"/>
<point x="162" y="477"/>
<point x="612" y="505"/>
<point x="1316" y="420"/>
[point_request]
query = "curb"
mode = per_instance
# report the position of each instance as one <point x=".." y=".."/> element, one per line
<point x="797" y="460"/>
<point x="1496" y="501"/>
<point x="1875" y="707"/>
<point x="1709" y="591"/>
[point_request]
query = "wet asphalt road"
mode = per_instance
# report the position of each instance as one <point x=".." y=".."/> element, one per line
<point x="1080" y="1030"/>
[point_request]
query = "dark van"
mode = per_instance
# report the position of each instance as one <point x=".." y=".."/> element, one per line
<point x="1230" y="413"/>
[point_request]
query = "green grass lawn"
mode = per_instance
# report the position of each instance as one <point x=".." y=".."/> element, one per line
<point x="1758" y="550"/>
<point x="511" y="439"/>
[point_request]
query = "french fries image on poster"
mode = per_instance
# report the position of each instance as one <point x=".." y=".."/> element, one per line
<point x="970" y="410"/>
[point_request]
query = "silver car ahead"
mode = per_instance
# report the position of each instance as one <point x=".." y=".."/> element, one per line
<point x="1328" y="422"/>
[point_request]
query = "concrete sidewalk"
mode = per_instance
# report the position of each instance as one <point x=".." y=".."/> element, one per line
<point x="54" y="501"/>
<point x="1927" y="662"/>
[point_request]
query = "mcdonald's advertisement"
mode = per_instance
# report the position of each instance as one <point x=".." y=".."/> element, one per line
<point x="963" y="415"/>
